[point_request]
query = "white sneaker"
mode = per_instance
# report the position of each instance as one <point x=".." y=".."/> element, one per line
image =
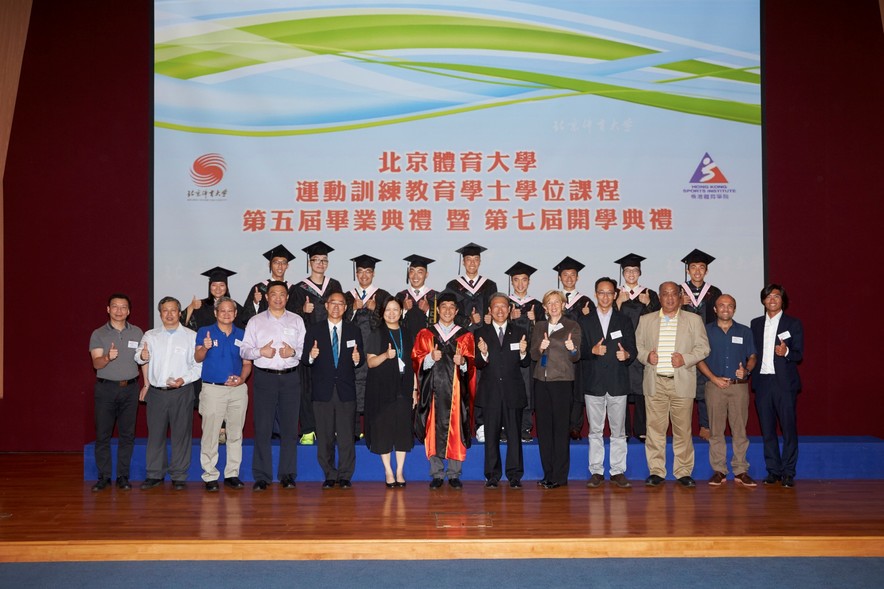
<point x="480" y="434"/>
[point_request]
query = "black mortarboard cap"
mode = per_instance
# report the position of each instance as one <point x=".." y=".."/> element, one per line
<point x="365" y="261"/>
<point x="279" y="251"/>
<point x="318" y="249"/>
<point x="568" y="263"/>
<point x="218" y="274"/>
<point x="630" y="260"/>
<point x="697" y="256"/>
<point x="520" y="268"/>
<point x="418" y="261"/>
<point x="471" y="249"/>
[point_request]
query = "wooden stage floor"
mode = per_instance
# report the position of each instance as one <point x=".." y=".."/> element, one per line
<point x="48" y="513"/>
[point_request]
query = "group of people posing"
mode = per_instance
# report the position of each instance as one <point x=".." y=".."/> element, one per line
<point x="330" y="367"/>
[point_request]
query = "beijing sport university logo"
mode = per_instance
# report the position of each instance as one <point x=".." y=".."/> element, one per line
<point x="708" y="181"/>
<point x="208" y="170"/>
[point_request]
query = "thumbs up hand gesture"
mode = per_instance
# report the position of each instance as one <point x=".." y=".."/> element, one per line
<point x="286" y="351"/>
<point x="600" y="349"/>
<point x="523" y="346"/>
<point x="257" y="296"/>
<point x="585" y="309"/>
<point x="781" y="349"/>
<point x="483" y="347"/>
<point x="622" y="354"/>
<point x="545" y="343"/>
<point x="741" y="372"/>
<point x="112" y="353"/>
<point x="314" y="351"/>
<point x="267" y="350"/>
<point x="207" y="341"/>
<point x="355" y="355"/>
<point x="145" y="353"/>
<point x="569" y="343"/>
<point x="391" y="353"/>
<point x="436" y="353"/>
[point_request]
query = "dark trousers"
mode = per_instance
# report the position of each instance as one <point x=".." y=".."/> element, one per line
<point x="308" y="421"/>
<point x="170" y="410"/>
<point x="334" y="424"/>
<point x="578" y="405"/>
<point x="272" y="393"/>
<point x="637" y="423"/>
<point x="552" y="404"/>
<point x="114" y="405"/>
<point x="511" y="420"/>
<point x="777" y="405"/>
<point x="527" y="422"/>
<point x="702" y="413"/>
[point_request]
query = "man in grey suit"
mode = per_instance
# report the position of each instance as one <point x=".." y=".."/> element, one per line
<point x="670" y="344"/>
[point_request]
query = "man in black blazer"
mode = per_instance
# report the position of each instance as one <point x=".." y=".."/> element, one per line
<point x="608" y="347"/>
<point x="501" y="352"/>
<point x="332" y="349"/>
<point x="779" y="341"/>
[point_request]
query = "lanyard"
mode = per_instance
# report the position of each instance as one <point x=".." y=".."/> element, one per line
<point x="398" y="347"/>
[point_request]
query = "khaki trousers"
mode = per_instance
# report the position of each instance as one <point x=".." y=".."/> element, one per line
<point x="663" y="407"/>
<point x="728" y="406"/>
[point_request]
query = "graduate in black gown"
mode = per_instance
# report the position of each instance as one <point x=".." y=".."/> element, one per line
<point x="419" y="300"/>
<point x="255" y="302"/>
<point x="307" y="298"/>
<point x="391" y="392"/>
<point x="635" y="300"/>
<point x="472" y="289"/>
<point x="201" y="312"/>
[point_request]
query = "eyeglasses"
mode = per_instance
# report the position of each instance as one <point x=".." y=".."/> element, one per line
<point x="319" y="260"/>
<point x="605" y="293"/>
<point x="337" y="304"/>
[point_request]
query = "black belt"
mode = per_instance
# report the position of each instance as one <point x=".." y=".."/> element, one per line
<point x="268" y="370"/>
<point x="119" y="383"/>
<point x="665" y="375"/>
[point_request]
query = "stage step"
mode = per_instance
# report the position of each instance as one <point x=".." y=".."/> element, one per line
<point x="820" y="457"/>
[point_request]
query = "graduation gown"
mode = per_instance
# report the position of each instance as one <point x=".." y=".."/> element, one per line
<point x="476" y="297"/>
<point x="415" y="319"/>
<point x="446" y="393"/>
<point x="306" y="289"/>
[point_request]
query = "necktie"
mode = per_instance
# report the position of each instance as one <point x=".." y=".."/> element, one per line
<point x="363" y="294"/>
<point x="335" y="344"/>
<point x="567" y="297"/>
<point x="631" y="291"/>
<point x="417" y="293"/>
<point x="500" y="335"/>
<point x="471" y="283"/>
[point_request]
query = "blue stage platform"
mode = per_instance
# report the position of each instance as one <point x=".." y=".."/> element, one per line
<point x="819" y="458"/>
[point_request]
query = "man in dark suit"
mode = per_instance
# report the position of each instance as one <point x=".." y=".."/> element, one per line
<point x="608" y="349"/>
<point x="502" y="351"/>
<point x="779" y="341"/>
<point x="332" y="350"/>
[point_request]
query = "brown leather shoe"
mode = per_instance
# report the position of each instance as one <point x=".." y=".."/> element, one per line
<point x="621" y="481"/>
<point x="595" y="480"/>
<point x="718" y="478"/>
<point x="705" y="434"/>
<point x="744" y="479"/>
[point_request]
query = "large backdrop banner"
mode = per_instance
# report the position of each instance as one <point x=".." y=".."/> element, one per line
<point x="584" y="128"/>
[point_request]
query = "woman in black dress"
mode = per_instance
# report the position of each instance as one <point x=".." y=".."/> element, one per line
<point x="390" y="392"/>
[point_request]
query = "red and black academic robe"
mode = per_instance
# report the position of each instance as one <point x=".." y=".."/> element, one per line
<point x="443" y="416"/>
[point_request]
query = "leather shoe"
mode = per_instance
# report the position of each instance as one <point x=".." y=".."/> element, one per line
<point x="212" y="486"/>
<point x="179" y="485"/>
<point x="595" y="481"/>
<point x="621" y="481"/>
<point x="542" y="482"/>
<point x="123" y="484"/>
<point x="436" y="484"/>
<point x="788" y="481"/>
<point x="687" y="482"/>
<point x="551" y="485"/>
<point x="575" y="434"/>
<point x="328" y="484"/>
<point x="345" y="484"/>
<point x="150" y="484"/>
<point x="654" y="481"/>
<point x="233" y="483"/>
<point x="287" y="482"/>
<point x="705" y="434"/>
<point x="455" y="483"/>
<point x="515" y="484"/>
<point x="772" y="479"/>
<point x="100" y="485"/>
<point x="744" y="479"/>
<point x="718" y="478"/>
<point x="489" y="484"/>
<point x="259" y="486"/>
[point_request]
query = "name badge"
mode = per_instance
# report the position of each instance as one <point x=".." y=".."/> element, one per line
<point x="288" y="331"/>
<point x="132" y="345"/>
<point x="784" y="336"/>
<point x="351" y="343"/>
<point x="401" y="365"/>
<point x="514" y="347"/>
<point x="616" y="334"/>
<point x="237" y="343"/>
<point x="736" y="340"/>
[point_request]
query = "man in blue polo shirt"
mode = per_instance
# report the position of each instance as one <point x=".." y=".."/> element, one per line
<point x="727" y="367"/>
<point x="224" y="396"/>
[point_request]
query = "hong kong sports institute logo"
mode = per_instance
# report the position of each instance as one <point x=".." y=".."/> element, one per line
<point x="708" y="181"/>
<point x="208" y="170"/>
